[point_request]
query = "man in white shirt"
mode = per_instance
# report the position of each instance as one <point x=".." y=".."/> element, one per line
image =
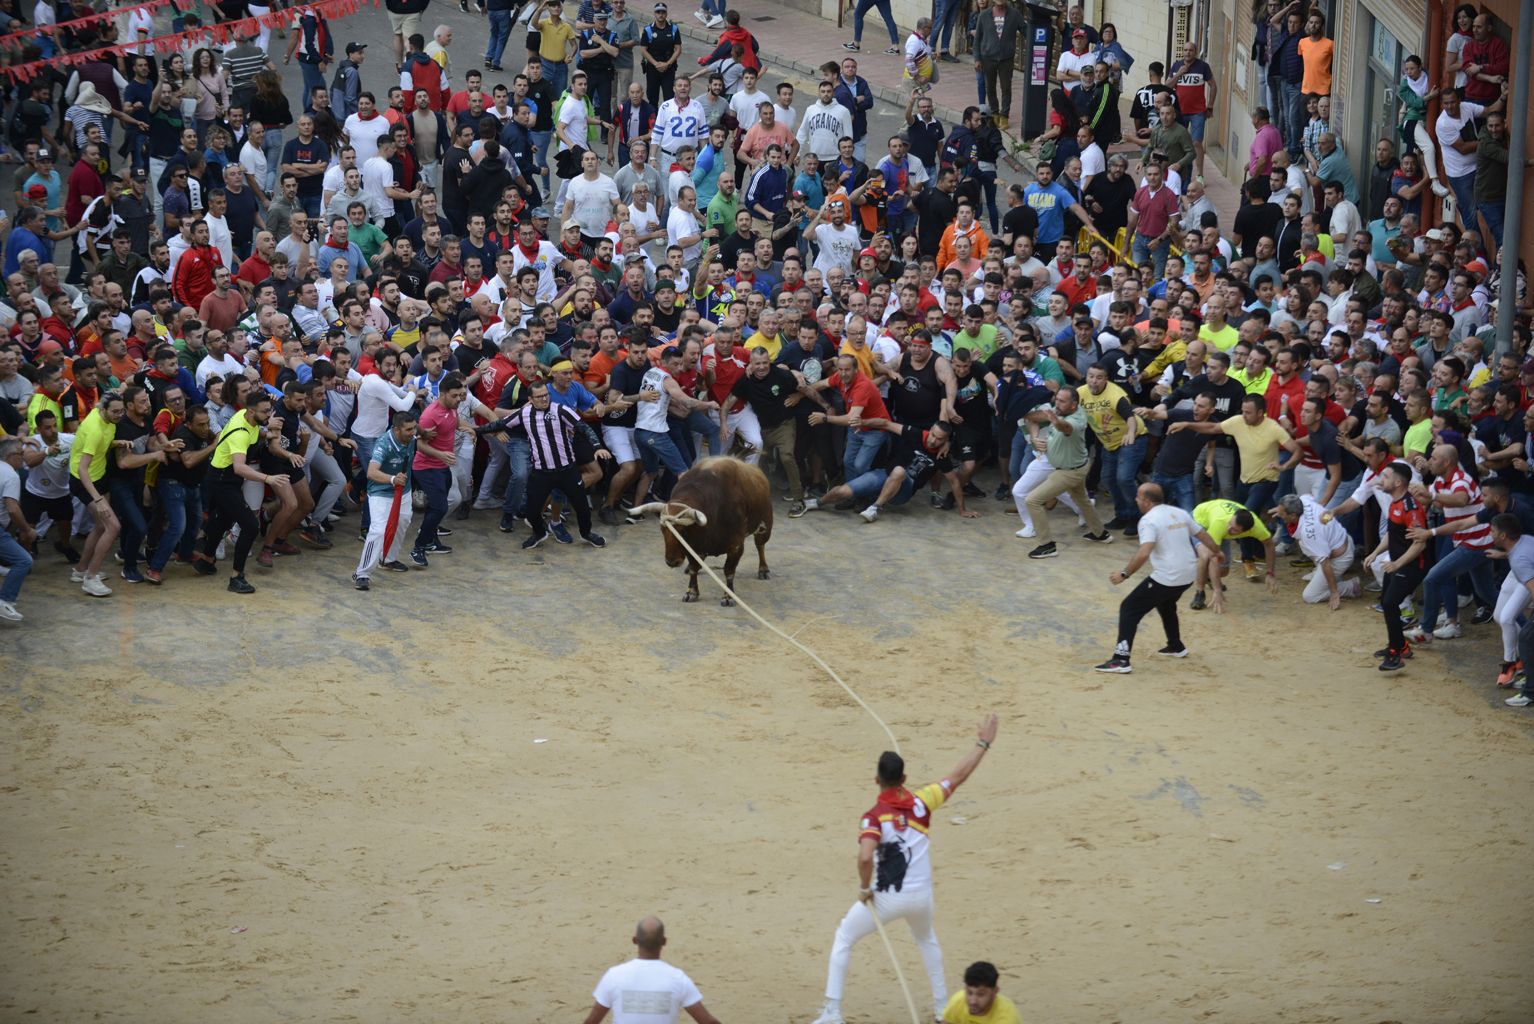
<point x="679" y="122"/>
<point x="1167" y="536"/>
<point x="747" y="101"/>
<point x="542" y="256"/>
<point x="375" y="397"/>
<point x="366" y="127"/>
<point x="825" y="123"/>
<point x="378" y="179"/>
<point x="1325" y="542"/>
<point x="646" y="989"/>
<point x="218" y="362"/>
<point x="591" y="200"/>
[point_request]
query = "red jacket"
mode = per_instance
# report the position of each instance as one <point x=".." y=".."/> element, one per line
<point x="193" y="279"/>
<point x="727" y="39"/>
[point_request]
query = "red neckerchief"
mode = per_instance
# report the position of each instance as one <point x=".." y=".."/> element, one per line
<point x="599" y="265"/>
<point x="576" y="252"/>
<point x="330" y="241"/>
<point x="532" y="255"/>
<point x="476" y="283"/>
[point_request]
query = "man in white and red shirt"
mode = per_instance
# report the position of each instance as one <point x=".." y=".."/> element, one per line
<point x="1459" y="498"/>
<point x="893" y="837"/>
<point x="723" y="365"/>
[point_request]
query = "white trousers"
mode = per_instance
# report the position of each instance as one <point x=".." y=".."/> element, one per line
<point x="916" y="909"/>
<point x="1036" y="472"/>
<point x="1511" y="601"/>
<point x="748" y="427"/>
<point x="1316" y="590"/>
<point x="1310" y="480"/>
<point x="463" y="470"/>
<point x="372" y="548"/>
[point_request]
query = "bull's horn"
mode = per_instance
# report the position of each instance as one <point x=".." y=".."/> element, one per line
<point x="654" y="506"/>
<point x="699" y="517"/>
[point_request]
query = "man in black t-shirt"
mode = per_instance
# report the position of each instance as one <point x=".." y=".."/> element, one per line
<point x="132" y="451"/>
<point x="915" y="457"/>
<point x="180" y="492"/>
<point x="773" y="392"/>
<point x="625" y="389"/>
<point x="1180" y="460"/>
<point x="811" y="355"/>
<point x="1257" y="218"/>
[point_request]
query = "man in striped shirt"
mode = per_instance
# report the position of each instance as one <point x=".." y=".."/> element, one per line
<point x="555" y="434"/>
<point x="1459" y="498"/>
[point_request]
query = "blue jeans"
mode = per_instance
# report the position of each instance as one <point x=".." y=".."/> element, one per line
<point x="862" y="448"/>
<point x="1258" y="498"/>
<point x="519" y="459"/>
<point x="183" y="515"/>
<point x="541" y="142"/>
<point x="944" y="17"/>
<point x="1441" y="588"/>
<point x="716" y="7"/>
<point x="1493" y="212"/>
<point x="271" y="148"/>
<point x="16" y="558"/>
<point x="555" y="72"/>
<point x="435" y="483"/>
<point x="987" y="181"/>
<point x="500" y="32"/>
<point x="1141" y="249"/>
<point x="1120" y="469"/>
<point x="1178" y="489"/>
<point x="314" y="78"/>
<point x="1464" y="196"/>
<point x="868" y="486"/>
<point x="1295" y="118"/>
<point x="696" y="422"/>
<point x="858" y="13"/>
<point x="124" y="494"/>
<point x="657" y="451"/>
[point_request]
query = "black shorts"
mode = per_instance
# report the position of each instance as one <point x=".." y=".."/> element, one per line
<point x="969" y="444"/>
<point x="60" y="509"/>
<point x="77" y="489"/>
<point x="271" y="465"/>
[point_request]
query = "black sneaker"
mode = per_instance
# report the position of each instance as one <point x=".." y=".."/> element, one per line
<point x="418" y="559"/>
<point x="438" y="548"/>
<point x="443" y="531"/>
<point x="203" y="567"/>
<point x="1115" y="523"/>
<point x="396" y="566"/>
<point x="1174" y="652"/>
<point x="1482" y="615"/>
<point x="1099" y="538"/>
<point x="949" y="503"/>
<point x="608" y="515"/>
<point x="971" y="491"/>
<point x="239" y="585"/>
<point x="1403" y="653"/>
<point x="1132" y="530"/>
<point x="534" y="541"/>
<point x="507" y="524"/>
<point x="1044" y="551"/>
<point x="594" y="539"/>
<point x="1200" y="602"/>
<point x="1003" y="492"/>
<point x="1391" y="662"/>
<point x="1115" y="664"/>
<point x="360" y="582"/>
<point x="560" y="533"/>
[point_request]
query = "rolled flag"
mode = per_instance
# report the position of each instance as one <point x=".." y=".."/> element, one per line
<point x="392" y="523"/>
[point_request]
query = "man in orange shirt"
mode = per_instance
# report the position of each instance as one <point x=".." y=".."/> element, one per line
<point x="966" y="224"/>
<point x="1316" y="54"/>
<point x="608" y="354"/>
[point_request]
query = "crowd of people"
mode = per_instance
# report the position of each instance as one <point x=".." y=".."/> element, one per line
<point x="549" y="289"/>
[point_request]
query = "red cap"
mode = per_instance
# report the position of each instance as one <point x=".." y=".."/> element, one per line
<point x="37" y="192"/>
<point x="868" y="252"/>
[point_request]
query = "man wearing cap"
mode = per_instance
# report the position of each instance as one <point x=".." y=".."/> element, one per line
<point x="52" y="183"/>
<point x="1072" y="61"/>
<point x="660" y="47"/>
<point x="598" y="50"/>
<point x="346" y="86"/>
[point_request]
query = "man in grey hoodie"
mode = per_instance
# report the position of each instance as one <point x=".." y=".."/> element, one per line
<point x="996" y="37"/>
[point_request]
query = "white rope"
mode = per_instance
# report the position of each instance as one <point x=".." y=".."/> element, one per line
<point x="668" y="520"/>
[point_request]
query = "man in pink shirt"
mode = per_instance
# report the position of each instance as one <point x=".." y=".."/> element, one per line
<point x="433" y="465"/>
<point x="1153" y="214"/>
<point x="1267" y="141"/>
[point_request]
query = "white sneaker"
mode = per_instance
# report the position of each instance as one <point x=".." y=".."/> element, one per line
<point x="1080" y="521"/>
<point x="9" y="613"/>
<point x="76" y="576"/>
<point x="1465" y="599"/>
<point x="1519" y="700"/>
<point x="715" y="21"/>
<point x="1418" y="635"/>
<point x="93" y="586"/>
<point x="701" y="16"/>
<point x="829" y="1016"/>
<point x="1350" y="588"/>
<point x="1283" y="547"/>
<point x="870" y="513"/>
<point x="1024" y="533"/>
<point x="1448" y="631"/>
<point x="484" y="504"/>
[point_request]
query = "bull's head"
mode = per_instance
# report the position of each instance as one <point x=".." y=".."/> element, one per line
<point x="679" y="517"/>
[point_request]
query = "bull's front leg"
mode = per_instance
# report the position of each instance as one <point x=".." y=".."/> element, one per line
<point x="731" y="560"/>
<point x="692" y="581"/>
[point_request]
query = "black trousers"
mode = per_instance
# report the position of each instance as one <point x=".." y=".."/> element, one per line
<point x="1399" y="586"/>
<point x="659" y="85"/>
<point x="227" y="508"/>
<point x="1139" y="602"/>
<point x="543" y="482"/>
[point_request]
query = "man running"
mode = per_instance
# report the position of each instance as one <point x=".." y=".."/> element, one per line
<point x="894" y="836"/>
<point x="1167" y="537"/>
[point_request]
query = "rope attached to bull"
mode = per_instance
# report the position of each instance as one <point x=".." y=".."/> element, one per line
<point x="670" y="520"/>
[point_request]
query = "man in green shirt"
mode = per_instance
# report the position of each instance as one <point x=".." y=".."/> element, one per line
<point x="1419" y="435"/>
<point x="1225" y="520"/>
<point x="723" y="207"/>
<point x="368" y="236"/>
<point x="978" y="336"/>
<point x="1063" y="444"/>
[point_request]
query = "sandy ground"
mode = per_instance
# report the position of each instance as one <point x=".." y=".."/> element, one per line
<point x="320" y="805"/>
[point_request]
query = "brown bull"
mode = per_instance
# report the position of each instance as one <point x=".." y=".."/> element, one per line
<point x="717" y="504"/>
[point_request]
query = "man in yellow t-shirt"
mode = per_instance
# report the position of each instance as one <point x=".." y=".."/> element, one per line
<point x="1226" y="520"/>
<point x="981" y="1002"/>
<point x="87" y="467"/>
<point x="554" y="38"/>
<point x="1123" y="437"/>
<point x="1258" y="440"/>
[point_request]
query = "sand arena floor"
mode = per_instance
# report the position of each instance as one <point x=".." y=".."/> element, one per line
<point x="450" y="799"/>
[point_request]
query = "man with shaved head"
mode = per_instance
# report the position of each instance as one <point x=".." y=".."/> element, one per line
<point x="646" y="989"/>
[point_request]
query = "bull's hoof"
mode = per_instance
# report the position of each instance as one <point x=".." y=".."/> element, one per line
<point x="763" y="574"/>
<point x="728" y="602"/>
<point x="689" y="597"/>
